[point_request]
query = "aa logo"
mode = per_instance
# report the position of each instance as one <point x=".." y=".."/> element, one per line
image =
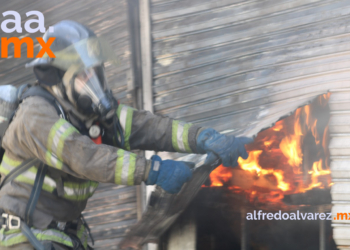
<point x="15" y="26"/>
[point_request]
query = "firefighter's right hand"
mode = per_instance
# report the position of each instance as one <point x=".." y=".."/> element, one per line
<point x="168" y="174"/>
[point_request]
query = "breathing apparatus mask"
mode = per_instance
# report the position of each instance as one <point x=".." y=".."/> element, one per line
<point x="84" y="82"/>
<point x="87" y="89"/>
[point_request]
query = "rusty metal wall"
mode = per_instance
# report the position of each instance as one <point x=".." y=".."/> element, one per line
<point x="238" y="66"/>
<point x="339" y="147"/>
<point x="112" y="209"/>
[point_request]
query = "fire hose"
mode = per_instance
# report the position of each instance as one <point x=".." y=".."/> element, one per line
<point x="164" y="208"/>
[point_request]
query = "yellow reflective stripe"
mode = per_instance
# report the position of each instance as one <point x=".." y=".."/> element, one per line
<point x="81" y="185"/>
<point x="174" y="135"/>
<point x="185" y="137"/>
<point x="72" y="191"/>
<point x="119" y="167"/>
<point x="7" y="161"/>
<point x="13" y="237"/>
<point x="54" y="235"/>
<point x="119" y="110"/>
<point x="125" y="115"/>
<point x="125" y="168"/>
<point x="10" y="231"/>
<point x="81" y="231"/>
<point x="128" y="128"/>
<point x="82" y="235"/>
<point x="64" y="136"/>
<point x="131" y="174"/>
<point x="79" y="191"/>
<point x="3" y="170"/>
<point x="11" y="162"/>
<point x="52" y="133"/>
<point x="179" y="136"/>
<point x="57" y="136"/>
<point x="27" y="177"/>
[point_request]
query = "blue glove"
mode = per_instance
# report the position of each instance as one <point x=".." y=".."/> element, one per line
<point x="168" y="174"/>
<point x="228" y="148"/>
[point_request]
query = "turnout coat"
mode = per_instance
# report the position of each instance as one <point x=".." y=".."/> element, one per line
<point x="76" y="163"/>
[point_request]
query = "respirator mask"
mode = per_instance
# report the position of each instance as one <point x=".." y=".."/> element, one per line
<point x="87" y="89"/>
<point x="84" y="80"/>
<point x="76" y="73"/>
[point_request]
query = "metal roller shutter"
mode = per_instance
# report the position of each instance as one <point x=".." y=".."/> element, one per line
<point x="238" y="66"/>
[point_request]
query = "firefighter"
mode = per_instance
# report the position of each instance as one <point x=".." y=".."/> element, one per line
<point x="56" y="137"/>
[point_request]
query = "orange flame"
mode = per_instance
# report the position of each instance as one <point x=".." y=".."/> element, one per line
<point x="275" y="161"/>
<point x="290" y="146"/>
<point x="220" y="176"/>
<point x="316" y="172"/>
<point x="278" y="126"/>
<point x="251" y="164"/>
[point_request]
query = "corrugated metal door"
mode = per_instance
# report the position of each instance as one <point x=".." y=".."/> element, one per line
<point x="339" y="147"/>
<point x="112" y="209"/>
<point x="238" y="65"/>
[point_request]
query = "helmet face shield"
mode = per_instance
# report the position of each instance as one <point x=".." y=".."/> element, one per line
<point x="82" y="61"/>
<point x="88" y="89"/>
<point x="83" y="54"/>
<point x="88" y="83"/>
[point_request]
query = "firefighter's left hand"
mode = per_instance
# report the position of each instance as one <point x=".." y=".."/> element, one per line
<point x="227" y="148"/>
<point x="169" y="174"/>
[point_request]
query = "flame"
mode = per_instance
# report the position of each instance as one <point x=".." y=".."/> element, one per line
<point x="278" y="126"/>
<point x="307" y="113"/>
<point x="290" y="146"/>
<point x="315" y="133"/>
<point x="316" y="172"/>
<point x="297" y="124"/>
<point x="281" y="184"/>
<point x="267" y="143"/>
<point x="220" y="176"/>
<point x="276" y="158"/>
<point x="251" y="164"/>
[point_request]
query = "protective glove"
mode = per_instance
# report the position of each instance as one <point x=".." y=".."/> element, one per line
<point x="168" y="174"/>
<point x="227" y="148"/>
